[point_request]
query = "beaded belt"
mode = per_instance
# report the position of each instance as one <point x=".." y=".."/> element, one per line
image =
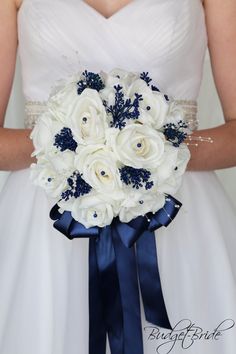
<point x="34" y="109"/>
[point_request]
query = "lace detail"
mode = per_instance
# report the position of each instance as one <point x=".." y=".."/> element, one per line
<point x="33" y="110"/>
<point x="190" y="108"/>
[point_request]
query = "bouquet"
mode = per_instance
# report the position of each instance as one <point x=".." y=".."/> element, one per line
<point x="111" y="152"/>
<point x="110" y="145"/>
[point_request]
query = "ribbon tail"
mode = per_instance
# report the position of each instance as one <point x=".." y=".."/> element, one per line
<point x="128" y="280"/>
<point x="110" y="291"/>
<point x="97" y="329"/>
<point x="150" y="283"/>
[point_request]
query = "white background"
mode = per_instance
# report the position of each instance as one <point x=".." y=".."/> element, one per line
<point x="210" y="114"/>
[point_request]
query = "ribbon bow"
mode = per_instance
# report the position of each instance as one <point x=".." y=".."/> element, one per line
<point x="116" y="269"/>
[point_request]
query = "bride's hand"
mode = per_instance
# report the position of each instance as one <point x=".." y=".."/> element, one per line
<point x="218" y="154"/>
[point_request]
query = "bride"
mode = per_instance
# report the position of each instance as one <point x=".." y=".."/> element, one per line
<point x="43" y="275"/>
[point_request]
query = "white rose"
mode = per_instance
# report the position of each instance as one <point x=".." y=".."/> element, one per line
<point x="170" y="185"/>
<point x="175" y="114"/>
<point x="169" y="174"/>
<point x="99" y="168"/>
<point x="43" y="134"/>
<point x="138" y="86"/>
<point x="90" y="210"/>
<point x="153" y="106"/>
<point x="167" y="164"/>
<point x="62" y="162"/>
<point x="46" y="176"/>
<point x="136" y="145"/>
<point x="87" y="118"/>
<point x="65" y="98"/>
<point x="119" y="76"/>
<point x="116" y="77"/>
<point x="182" y="160"/>
<point x="137" y="203"/>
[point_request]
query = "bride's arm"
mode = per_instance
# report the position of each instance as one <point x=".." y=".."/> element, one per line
<point x="221" y="29"/>
<point x="15" y="145"/>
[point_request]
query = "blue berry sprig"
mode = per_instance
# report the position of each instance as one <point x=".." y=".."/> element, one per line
<point x="175" y="132"/>
<point x="144" y="76"/>
<point x="123" y="109"/>
<point x="64" y="140"/>
<point x="90" y="80"/>
<point x="137" y="177"/>
<point x="77" y="187"/>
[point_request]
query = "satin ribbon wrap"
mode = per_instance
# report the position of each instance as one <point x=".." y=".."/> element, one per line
<point x="122" y="258"/>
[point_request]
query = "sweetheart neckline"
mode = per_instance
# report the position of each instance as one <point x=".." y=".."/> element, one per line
<point x="116" y="13"/>
<point x="93" y="10"/>
<point x="96" y="12"/>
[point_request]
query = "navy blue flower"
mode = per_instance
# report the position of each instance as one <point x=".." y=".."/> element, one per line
<point x="136" y="177"/>
<point x="77" y="187"/>
<point x="90" y="80"/>
<point x="175" y="132"/>
<point x="64" y="140"/>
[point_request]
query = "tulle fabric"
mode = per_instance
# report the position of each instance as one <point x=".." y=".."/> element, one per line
<point x="44" y="276"/>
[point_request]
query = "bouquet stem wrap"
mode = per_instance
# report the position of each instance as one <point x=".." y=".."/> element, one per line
<point x="122" y="257"/>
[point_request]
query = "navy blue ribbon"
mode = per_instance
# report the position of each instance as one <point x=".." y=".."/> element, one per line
<point x="122" y="257"/>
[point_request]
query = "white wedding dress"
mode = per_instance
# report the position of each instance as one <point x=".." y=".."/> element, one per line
<point x="44" y="275"/>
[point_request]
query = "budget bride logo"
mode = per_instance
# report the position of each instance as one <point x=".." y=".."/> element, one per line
<point x="185" y="333"/>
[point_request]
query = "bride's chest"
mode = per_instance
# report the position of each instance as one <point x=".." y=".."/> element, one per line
<point x="156" y="27"/>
